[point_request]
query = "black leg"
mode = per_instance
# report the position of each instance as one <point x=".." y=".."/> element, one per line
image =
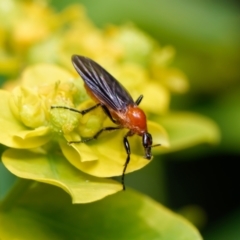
<point x="78" y="111"/>
<point x="105" y="109"/>
<point x="128" y="151"/>
<point x="139" y="99"/>
<point x="96" y="135"/>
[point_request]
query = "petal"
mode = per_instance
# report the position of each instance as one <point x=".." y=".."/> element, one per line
<point x="176" y="81"/>
<point x="31" y="138"/>
<point x="137" y="44"/>
<point x="13" y="133"/>
<point x="188" y="129"/>
<point x="54" y="169"/>
<point x="159" y="135"/>
<point x="84" y="152"/>
<point x="128" y="71"/>
<point x="110" y="154"/>
<point x="156" y="98"/>
<point x="41" y="74"/>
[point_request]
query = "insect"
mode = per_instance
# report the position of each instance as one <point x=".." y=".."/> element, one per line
<point x="116" y="102"/>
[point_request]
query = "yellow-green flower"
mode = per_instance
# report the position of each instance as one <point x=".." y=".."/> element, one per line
<point x="37" y="135"/>
<point x="30" y="125"/>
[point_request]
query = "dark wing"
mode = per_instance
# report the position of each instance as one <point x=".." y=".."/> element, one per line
<point x="102" y="84"/>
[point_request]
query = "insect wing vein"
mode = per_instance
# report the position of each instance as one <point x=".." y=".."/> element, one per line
<point x="102" y="84"/>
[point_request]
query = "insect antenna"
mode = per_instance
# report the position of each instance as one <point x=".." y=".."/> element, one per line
<point x="156" y="145"/>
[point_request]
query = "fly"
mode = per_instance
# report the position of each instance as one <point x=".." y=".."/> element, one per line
<point x="117" y="104"/>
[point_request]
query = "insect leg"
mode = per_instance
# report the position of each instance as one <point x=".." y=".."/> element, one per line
<point x="139" y="99"/>
<point x="105" y="109"/>
<point x="128" y="151"/>
<point x="76" y="110"/>
<point x="96" y="135"/>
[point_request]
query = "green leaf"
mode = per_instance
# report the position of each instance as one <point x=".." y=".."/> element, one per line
<point x="188" y="129"/>
<point x="46" y="213"/>
<point x="55" y="169"/>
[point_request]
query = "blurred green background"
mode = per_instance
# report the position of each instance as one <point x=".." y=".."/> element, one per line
<point x="203" y="180"/>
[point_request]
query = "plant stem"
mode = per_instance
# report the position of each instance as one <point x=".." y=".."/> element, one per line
<point x="18" y="189"/>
